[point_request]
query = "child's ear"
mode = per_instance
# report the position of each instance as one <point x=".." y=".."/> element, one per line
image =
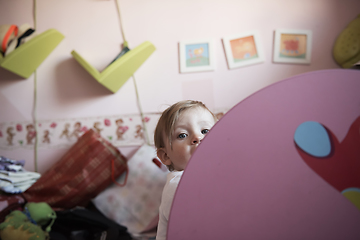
<point x="162" y="155"/>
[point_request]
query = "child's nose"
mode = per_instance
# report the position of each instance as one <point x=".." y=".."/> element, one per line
<point x="197" y="138"/>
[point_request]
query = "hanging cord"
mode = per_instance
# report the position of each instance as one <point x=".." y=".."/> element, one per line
<point x="141" y="113"/>
<point x="35" y="104"/>
<point x="35" y="124"/>
<point x="120" y="22"/>
<point x="135" y="85"/>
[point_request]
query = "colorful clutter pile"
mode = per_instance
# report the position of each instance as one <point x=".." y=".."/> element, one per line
<point x="13" y="177"/>
<point x="12" y="36"/>
<point x="33" y="223"/>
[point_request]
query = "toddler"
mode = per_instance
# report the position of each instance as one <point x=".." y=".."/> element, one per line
<point x="179" y="131"/>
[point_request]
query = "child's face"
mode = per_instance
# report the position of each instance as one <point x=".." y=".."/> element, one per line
<point x="190" y="128"/>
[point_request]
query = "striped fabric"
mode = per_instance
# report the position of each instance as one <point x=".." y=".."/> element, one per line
<point x="80" y="175"/>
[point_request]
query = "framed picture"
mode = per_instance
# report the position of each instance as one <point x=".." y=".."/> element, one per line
<point x="197" y="56"/>
<point x="292" y="46"/>
<point x="243" y="49"/>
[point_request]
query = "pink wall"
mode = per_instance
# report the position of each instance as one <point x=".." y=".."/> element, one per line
<point x="92" y="28"/>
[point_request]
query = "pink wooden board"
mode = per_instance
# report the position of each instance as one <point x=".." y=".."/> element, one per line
<point x="248" y="181"/>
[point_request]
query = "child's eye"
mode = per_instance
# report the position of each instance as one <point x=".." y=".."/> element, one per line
<point x="182" y="135"/>
<point x="205" y="131"/>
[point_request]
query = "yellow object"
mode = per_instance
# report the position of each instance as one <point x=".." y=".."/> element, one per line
<point x="346" y="50"/>
<point x="17" y="226"/>
<point x="118" y="72"/>
<point x="24" y="60"/>
<point x="353" y="196"/>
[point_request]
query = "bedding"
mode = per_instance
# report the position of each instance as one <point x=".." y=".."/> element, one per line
<point x="136" y="205"/>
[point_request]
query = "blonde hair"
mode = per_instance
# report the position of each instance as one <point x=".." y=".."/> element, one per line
<point x="166" y="123"/>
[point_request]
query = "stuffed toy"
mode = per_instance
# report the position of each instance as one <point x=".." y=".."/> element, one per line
<point x="29" y="224"/>
<point x="41" y="213"/>
<point x="346" y="50"/>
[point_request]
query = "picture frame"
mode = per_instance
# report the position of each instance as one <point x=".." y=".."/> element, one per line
<point x="292" y="46"/>
<point x="243" y="49"/>
<point x="197" y="56"/>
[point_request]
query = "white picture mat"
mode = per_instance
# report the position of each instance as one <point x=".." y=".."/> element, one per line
<point x="211" y="50"/>
<point x="277" y="43"/>
<point x="259" y="49"/>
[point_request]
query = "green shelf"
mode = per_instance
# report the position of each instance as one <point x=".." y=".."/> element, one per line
<point x="25" y="59"/>
<point x="117" y="73"/>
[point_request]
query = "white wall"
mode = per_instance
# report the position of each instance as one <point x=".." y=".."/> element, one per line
<point x="91" y="27"/>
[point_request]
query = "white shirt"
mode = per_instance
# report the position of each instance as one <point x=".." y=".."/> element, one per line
<point x="172" y="181"/>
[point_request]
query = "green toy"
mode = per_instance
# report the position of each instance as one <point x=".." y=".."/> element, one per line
<point x="42" y="214"/>
<point x="346" y="50"/>
<point x="28" y="225"/>
<point x="18" y="227"/>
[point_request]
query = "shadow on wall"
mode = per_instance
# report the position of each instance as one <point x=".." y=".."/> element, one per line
<point x="6" y="75"/>
<point x="75" y="83"/>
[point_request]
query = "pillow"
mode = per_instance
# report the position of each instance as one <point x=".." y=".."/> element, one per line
<point x="136" y="205"/>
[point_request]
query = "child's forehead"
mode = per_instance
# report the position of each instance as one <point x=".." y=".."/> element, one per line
<point x="194" y="109"/>
<point x="198" y="114"/>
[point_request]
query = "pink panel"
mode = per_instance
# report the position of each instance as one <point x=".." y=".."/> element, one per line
<point x="247" y="179"/>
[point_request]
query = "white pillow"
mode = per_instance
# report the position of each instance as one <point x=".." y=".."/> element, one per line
<point x="136" y="205"/>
